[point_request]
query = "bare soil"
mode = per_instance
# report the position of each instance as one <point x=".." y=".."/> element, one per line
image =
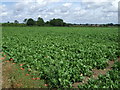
<point x="14" y="78"/>
<point x="96" y="73"/>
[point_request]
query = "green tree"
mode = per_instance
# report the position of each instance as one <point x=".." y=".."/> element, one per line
<point x="47" y="22"/>
<point x="16" y="22"/>
<point x="30" y="22"/>
<point x="40" y="22"/>
<point x="110" y="24"/>
<point x="56" y="22"/>
<point x="25" y="20"/>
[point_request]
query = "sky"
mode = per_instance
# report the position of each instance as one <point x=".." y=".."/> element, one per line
<point x="71" y="11"/>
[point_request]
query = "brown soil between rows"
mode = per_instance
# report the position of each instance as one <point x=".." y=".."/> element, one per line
<point x="8" y="68"/>
<point x="96" y="73"/>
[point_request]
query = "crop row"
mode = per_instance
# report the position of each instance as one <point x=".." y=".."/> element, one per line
<point x="61" y="55"/>
<point x="110" y="80"/>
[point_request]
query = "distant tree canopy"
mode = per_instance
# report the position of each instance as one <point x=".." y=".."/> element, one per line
<point x="40" y="22"/>
<point x="53" y="22"/>
<point x="110" y="24"/>
<point x="16" y="22"/>
<point x="13" y="24"/>
<point x="25" y="20"/>
<point x="30" y="22"/>
<point x="56" y="22"/>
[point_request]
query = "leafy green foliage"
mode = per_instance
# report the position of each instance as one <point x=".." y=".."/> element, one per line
<point x="61" y="54"/>
<point x="40" y="22"/>
<point x="30" y="22"/>
<point x="110" y="80"/>
<point x="57" y="22"/>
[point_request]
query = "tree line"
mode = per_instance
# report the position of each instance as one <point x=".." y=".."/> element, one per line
<point x="39" y="22"/>
<point x="52" y="22"/>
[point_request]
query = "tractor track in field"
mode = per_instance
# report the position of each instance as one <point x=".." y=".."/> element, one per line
<point x="96" y="73"/>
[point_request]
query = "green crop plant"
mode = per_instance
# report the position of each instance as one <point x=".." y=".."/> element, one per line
<point x="61" y="54"/>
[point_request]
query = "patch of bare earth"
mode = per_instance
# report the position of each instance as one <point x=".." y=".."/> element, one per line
<point x="96" y="73"/>
<point x="7" y="69"/>
<point x="14" y="78"/>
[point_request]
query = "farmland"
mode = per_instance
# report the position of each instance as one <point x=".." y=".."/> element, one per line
<point x="62" y="55"/>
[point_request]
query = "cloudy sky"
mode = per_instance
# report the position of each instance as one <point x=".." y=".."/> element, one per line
<point x="71" y="11"/>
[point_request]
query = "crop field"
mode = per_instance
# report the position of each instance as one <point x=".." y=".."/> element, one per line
<point x="65" y="55"/>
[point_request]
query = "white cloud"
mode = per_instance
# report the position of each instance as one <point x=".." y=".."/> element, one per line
<point x="67" y="4"/>
<point x="115" y="4"/>
<point x="3" y="8"/>
<point x="75" y="11"/>
<point x="97" y="1"/>
<point x="4" y="14"/>
<point x="3" y="11"/>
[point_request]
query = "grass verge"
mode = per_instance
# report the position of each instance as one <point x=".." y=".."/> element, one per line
<point x="14" y="77"/>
